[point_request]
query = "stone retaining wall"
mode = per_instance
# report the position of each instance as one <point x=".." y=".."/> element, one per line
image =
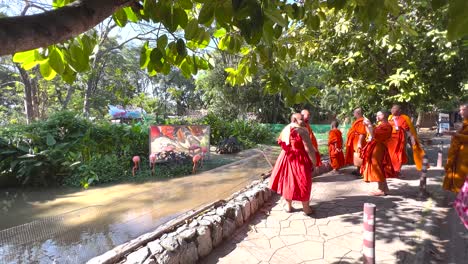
<point x="194" y="235"/>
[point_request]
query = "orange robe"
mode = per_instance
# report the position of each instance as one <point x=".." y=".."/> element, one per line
<point x="456" y="168"/>
<point x="336" y="153"/>
<point x="376" y="162"/>
<point x="397" y="144"/>
<point x="315" y="144"/>
<point x="352" y="140"/>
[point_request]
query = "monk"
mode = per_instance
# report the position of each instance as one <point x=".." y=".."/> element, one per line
<point x="456" y="168"/>
<point x="292" y="175"/>
<point x="306" y="114"/>
<point x="376" y="162"/>
<point x="335" y="147"/>
<point x="403" y="128"/>
<point x="355" y="140"/>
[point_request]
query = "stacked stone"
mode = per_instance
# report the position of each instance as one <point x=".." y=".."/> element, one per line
<point x="196" y="239"/>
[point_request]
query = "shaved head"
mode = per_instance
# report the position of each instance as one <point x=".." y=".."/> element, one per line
<point x="334" y="124"/>
<point x="357" y="112"/>
<point x="464" y="111"/>
<point x="295" y="117"/>
<point x="396" y="109"/>
<point x="306" y="114"/>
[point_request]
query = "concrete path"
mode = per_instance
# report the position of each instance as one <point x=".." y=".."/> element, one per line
<point x="334" y="233"/>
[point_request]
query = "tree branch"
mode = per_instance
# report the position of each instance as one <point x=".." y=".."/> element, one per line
<point x="23" y="33"/>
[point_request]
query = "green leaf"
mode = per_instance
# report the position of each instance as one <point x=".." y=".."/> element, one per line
<point x="219" y="33"/>
<point x="185" y="4"/>
<point x="203" y="39"/>
<point x="130" y="14"/>
<point x="25" y="56"/>
<point x="144" y="56"/>
<point x="181" y="17"/>
<point x="150" y="9"/>
<point x="313" y="22"/>
<point x="224" y="43"/>
<point x="68" y="75"/>
<point x="56" y="60"/>
<point x="181" y="50"/>
<point x="223" y="13"/>
<point x="191" y="29"/>
<point x="268" y="34"/>
<point x="47" y="72"/>
<point x="88" y="44"/>
<point x="77" y="59"/>
<point x="457" y="19"/>
<point x="276" y="16"/>
<point x="436" y="4"/>
<point x="50" y="140"/>
<point x="392" y="6"/>
<point x="120" y="17"/>
<point x="161" y="43"/>
<point x="207" y="13"/>
<point x="156" y="57"/>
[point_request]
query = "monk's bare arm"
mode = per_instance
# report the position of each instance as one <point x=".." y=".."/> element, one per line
<point x="308" y="144"/>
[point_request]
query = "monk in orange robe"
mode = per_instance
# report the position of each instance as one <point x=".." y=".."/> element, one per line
<point x="402" y="127"/>
<point x="335" y="147"/>
<point x="305" y="113"/>
<point x="376" y="162"/>
<point x="456" y="168"/>
<point x="355" y="140"/>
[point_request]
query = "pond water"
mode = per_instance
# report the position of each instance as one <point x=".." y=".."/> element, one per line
<point x="74" y="225"/>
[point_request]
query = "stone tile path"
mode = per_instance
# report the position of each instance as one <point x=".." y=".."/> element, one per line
<point x="333" y="234"/>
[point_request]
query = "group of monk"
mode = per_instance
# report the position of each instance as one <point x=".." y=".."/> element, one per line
<point x="378" y="152"/>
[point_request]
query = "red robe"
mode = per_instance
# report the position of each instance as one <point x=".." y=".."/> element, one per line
<point x="292" y="175"/>
<point x="315" y="144"/>
<point x="397" y="143"/>
<point x="352" y="140"/>
<point x="376" y="162"/>
<point x="336" y="153"/>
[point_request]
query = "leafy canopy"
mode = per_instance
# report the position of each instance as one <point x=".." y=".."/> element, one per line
<point x="253" y="29"/>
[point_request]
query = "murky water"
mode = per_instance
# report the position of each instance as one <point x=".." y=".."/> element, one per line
<point x="72" y="226"/>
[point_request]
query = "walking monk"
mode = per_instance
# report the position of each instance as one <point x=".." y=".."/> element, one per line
<point x="456" y="168"/>
<point x="401" y="128"/>
<point x="335" y="147"/>
<point x="355" y="139"/>
<point x="376" y="162"/>
<point x="292" y="175"/>
<point x="305" y="113"/>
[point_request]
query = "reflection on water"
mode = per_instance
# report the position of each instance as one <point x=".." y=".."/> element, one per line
<point x="109" y="216"/>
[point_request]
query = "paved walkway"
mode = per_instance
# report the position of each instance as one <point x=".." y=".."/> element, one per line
<point x="334" y="233"/>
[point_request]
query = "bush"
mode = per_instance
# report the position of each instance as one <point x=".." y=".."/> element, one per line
<point x="66" y="149"/>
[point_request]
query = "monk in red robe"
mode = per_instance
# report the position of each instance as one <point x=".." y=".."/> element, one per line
<point x="305" y="113"/>
<point x="402" y="127"/>
<point x="292" y="175"/>
<point x="335" y="147"/>
<point x="355" y="140"/>
<point x="376" y="162"/>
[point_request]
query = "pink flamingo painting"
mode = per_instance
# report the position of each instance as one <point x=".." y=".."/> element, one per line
<point x="152" y="162"/>
<point x="204" y="150"/>
<point x="195" y="160"/>
<point x="136" y="161"/>
<point x="192" y="148"/>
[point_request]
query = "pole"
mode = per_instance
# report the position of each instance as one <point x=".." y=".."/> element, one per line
<point x="369" y="233"/>
<point x="439" y="156"/>
<point x="422" y="180"/>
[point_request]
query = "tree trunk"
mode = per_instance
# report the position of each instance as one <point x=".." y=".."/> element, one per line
<point x="23" y="33"/>
<point x="35" y="96"/>
<point x="28" y="102"/>
<point x="70" y="91"/>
